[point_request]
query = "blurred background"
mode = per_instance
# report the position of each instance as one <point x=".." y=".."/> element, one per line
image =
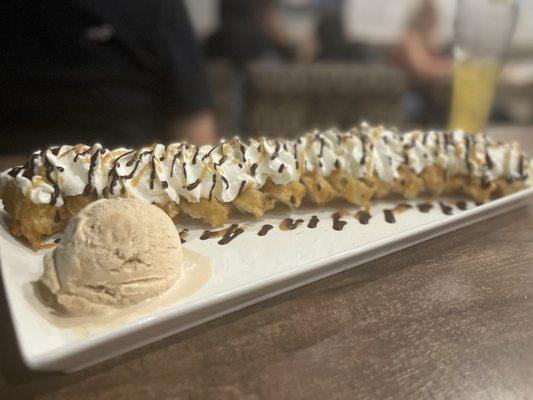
<point x="335" y="62"/>
<point x="132" y="73"/>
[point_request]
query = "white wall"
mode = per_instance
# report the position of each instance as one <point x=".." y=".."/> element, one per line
<point x="383" y="20"/>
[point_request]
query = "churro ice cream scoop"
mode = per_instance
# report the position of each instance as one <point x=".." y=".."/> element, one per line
<point x="115" y="252"/>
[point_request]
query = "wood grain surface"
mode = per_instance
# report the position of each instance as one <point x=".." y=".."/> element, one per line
<point x="451" y="318"/>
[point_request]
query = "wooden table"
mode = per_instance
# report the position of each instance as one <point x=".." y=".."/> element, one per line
<point x="451" y="318"/>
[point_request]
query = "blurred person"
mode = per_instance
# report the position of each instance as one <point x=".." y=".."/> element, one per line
<point x="249" y="31"/>
<point x="429" y="66"/>
<point x="119" y="72"/>
<point x="333" y="43"/>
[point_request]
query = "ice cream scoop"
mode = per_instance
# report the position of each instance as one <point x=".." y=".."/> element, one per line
<point x="115" y="252"/>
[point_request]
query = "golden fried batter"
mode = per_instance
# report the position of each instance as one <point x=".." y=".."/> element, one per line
<point x="30" y="220"/>
<point x="318" y="188"/>
<point x="353" y="190"/>
<point x="409" y="185"/>
<point x="290" y="194"/>
<point x="212" y="212"/>
<point x="254" y="202"/>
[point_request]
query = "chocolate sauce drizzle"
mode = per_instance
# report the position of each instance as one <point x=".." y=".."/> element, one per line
<point x="389" y="216"/>
<point x="424" y="207"/>
<point x="313" y="222"/>
<point x="264" y="230"/>
<point x="232" y="232"/>
<point x="193" y="185"/>
<point x="338" y="223"/>
<point x="461" y="205"/>
<point x="446" y="209"/>
<point x="363" y="217"/>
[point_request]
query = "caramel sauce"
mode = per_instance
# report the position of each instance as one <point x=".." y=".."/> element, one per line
<point x="184" y="234"/>
<point x="213" y="234"/>
<point x="135" y="181"/>
<point x="402" y="207"/>
<point x="289" y="224"/>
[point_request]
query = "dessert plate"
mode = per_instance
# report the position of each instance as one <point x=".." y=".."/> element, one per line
<point x="251" y="261"/>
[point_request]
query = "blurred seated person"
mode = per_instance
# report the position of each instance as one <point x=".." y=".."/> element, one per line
<point x="428" y="65"/>
<point x="249" y="31"/>
<point x="119" y="72"/>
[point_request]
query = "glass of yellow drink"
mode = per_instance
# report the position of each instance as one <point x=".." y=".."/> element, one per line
<point x="483" y="31"/>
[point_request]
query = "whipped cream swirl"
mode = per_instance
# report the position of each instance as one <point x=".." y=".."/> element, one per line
<point x="160" y="174"/>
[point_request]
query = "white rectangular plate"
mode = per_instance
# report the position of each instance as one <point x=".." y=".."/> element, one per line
<point x="247" y="270"/>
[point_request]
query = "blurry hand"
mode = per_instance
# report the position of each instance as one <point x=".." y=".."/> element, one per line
<point x="198" y="129"/>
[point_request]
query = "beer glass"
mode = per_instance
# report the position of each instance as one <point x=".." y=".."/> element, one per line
<point x="483" y="32"/>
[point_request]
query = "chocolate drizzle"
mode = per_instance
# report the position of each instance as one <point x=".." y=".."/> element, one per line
<point x="227" y="234"/>
<point x="55" y="150"/>
<point x="521" y="167"/>
<point x="176" y="156"/>
<point x="253" y="168"/>
<point x="13" y="172"/>
<point x="208" y="153"/>
<point x="313" y="222"/>
<point x="195" y="155"/>
<point x="264" y="230"/>
<point x="338" y="223"/>
<point x="322" y="144"/>
<point x="225" y="181"/>
<point x="276" y="151"/>
<point x="461" y="205"/>
<point x="488" y="160"/>
<point x="281" y="168"/>
<point x="232" y="233"/>
<point x="241" y="188"/>
<point x="243" y="152"/>
<point x="363" y="217"/>
<point x="424" y="207"/>
<point x="212" y="187"/>
<point x="90" y="173"/>
<point x="468" y="145"/>
<point x="193" y="185"/>
<point x="389" y="216"/>
<point x="446" y="209"/>
<point x="152" y="173"/>
<point x="363" y="157"/>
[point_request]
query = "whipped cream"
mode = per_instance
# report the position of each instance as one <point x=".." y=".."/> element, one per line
<point x="159" y="174"/>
